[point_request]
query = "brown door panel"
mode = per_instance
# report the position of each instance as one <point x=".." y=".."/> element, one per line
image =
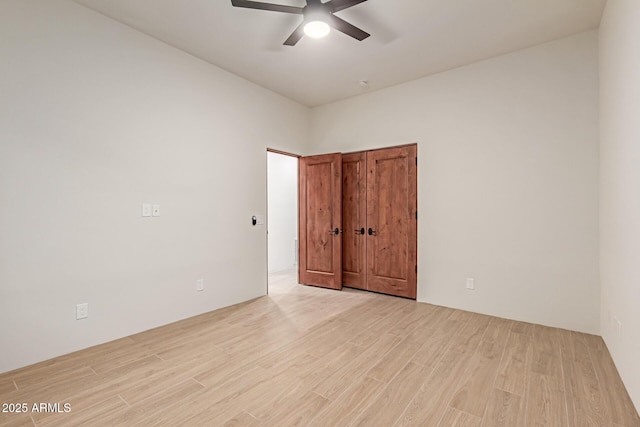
<point x="320" y="215"/>
<point x="391" y="221"/>
<point x="354" y="219"/>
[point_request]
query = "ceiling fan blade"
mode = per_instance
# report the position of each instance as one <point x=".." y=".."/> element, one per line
<point x="295" y="36"/>
<point x="338" y="5"/>
<point x="349" y="29"/>
<point x="267" y="6"/>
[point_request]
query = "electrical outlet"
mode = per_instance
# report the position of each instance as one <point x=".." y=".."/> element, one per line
<point x="146" y="210"/>
<point x="155" y="210"/>
<point x="200" y="285"/>
<point x="82" y="311"/>
<point x="611" y="321"/>
<point x="471" y="284"/>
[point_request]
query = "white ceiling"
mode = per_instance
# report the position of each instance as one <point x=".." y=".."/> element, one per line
<point x="410" y="38"/>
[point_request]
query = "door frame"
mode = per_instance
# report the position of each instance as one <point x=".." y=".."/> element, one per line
<point x="283" y="153"/>
<point x="298" y="156"/>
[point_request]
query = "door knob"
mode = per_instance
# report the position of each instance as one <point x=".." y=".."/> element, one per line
<point x="336" y="231"/>
<point x="361" y="231"/>
<point x="372" y="232"/>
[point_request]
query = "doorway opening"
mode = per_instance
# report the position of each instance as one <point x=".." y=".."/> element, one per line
<point x="282" y="221"/>
<point x="358" y="220"/>
<point x="355" y="216"/>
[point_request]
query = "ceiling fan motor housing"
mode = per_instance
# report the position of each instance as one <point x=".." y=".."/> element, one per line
<point x="315" y="10"/>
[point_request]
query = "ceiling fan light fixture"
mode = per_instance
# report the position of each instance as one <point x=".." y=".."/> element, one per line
<point x="317" y="17"/>
<point x="317" y="29"/>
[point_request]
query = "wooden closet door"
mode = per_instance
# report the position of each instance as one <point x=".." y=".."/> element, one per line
<point x="354" y="219"/>
<point x="391" y="221"/>
<point x="320" y="215"/>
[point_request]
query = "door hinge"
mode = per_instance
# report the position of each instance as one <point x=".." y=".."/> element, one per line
<point x="416" y="268"/>
<point x="416" y="160"/>
<point x="416" y="214"/>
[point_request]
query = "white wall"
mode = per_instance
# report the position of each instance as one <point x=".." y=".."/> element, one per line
<point x="507" y="178"/>
<point x="620" y="186"/>
<point x="282" y="202"/>
<point x="95" y="119"/>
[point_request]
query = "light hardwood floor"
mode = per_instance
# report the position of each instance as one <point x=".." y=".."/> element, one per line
<point x="308" y="356"/>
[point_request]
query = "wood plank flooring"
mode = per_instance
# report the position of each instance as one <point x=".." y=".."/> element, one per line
<point x="309" y="356"/>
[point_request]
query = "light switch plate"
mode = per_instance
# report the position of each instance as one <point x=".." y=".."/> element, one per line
<point x="146" y="209"/>
<point x="156" y="210"/>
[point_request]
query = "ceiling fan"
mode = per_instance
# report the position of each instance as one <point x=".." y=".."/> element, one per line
<point x="318" y="18"/>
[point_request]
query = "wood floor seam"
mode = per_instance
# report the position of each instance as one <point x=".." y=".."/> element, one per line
<point x="564" y="381"/>
<point x="125" y="402"/>
<point x="198" y="382"/>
